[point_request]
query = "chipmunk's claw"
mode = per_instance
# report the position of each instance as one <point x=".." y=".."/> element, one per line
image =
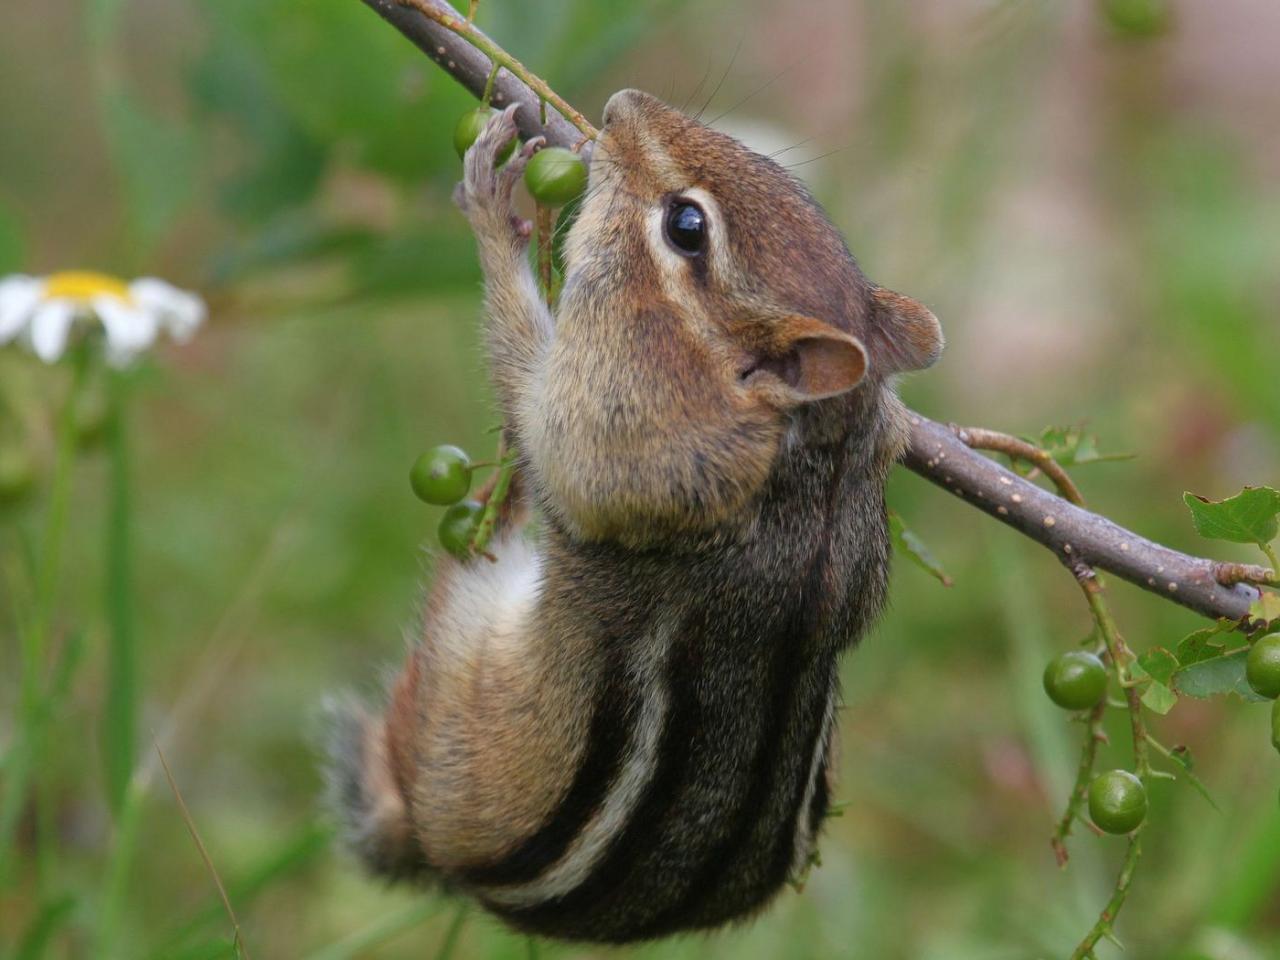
<point x="485" y="193"/>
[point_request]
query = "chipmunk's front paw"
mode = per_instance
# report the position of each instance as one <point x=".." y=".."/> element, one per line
<point x="484" y="194"/>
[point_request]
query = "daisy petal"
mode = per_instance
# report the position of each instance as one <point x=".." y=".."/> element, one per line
<point x="130" y="330"/>
<point x="179" y="312"/>
<point x="50" y="325"/>
<point x="18" y="297"/>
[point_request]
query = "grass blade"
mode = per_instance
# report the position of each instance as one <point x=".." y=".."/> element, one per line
<point x="387" y="928"/>
<point x="204" y="853"/>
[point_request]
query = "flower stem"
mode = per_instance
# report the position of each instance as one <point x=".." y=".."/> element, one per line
<point x="116" y="882"/>
<point x="20" y="764"/>
<point x="121" y="703"/>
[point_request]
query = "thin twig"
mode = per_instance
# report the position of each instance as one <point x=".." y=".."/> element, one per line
<point x="1076" y="536"/>
<point x="980" y="438"/>
<point x="204" y="853"/>
<point x="1094" y="736"/>
<point x="443" y="14"/>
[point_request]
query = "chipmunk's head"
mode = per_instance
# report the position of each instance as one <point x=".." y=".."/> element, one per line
<point x="710" y="264"/>
<point x="745" y="251"/>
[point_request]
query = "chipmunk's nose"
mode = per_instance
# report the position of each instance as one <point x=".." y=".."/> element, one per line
<point x="622" y="104"/>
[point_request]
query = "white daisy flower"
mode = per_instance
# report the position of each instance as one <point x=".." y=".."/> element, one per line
<point x="42" y="312"/>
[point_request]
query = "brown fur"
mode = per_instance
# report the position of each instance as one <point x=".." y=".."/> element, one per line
<point x="611" y="737"/>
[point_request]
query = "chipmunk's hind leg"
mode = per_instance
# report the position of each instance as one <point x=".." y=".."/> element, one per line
<point x="366" y="799"/>
<point x="372" y="758"/>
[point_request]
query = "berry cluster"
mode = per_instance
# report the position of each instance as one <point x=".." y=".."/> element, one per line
<point x="442" y="477"/>
<point x="554" y="176"/>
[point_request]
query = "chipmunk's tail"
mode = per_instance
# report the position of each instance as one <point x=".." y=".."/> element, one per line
<point x="366" y="798"/>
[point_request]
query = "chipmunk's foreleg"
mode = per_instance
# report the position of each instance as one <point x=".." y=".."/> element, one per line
<point x="520" y="326"/>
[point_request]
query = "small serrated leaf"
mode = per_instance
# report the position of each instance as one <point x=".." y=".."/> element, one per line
<point x="1072" y="447"/>
<point x="1159" y="663"/>
<point x="1203" y="644"/>
<point x="1248" y="517"/>
<point x="1216" y="677"/>
<point x="1159" y="698"/>
<point x="915" y="549"/>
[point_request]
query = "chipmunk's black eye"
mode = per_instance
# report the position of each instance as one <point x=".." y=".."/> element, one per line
<point x="687" y="227"/>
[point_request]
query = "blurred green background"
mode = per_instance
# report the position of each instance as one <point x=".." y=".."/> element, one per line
<point x="1087" y="194"/>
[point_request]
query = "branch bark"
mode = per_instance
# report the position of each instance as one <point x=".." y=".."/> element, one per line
<point x="938" y="453"/>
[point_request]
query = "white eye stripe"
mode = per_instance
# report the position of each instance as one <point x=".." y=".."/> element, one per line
<point x="675" y="268"/>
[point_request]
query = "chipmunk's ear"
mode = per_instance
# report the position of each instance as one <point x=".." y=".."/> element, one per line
<point x="806" y="360"/>
<point x="905" y="334"/>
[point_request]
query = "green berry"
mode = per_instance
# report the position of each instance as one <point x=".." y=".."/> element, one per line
<point x="1275" y="725"/>
<point x="1075" y="680"/>
<point x="468" y="129"/>
<point x="555" y="176"/>
<point x="1117" y="801"/>
<point x="458" y="527"/>
<point x="441" y="476"/>
<point x="1262" y="669"/>
<point x="17" y="474"/>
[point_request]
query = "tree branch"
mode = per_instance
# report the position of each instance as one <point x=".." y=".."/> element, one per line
<point x="1075" y="535"/>
<point x="938" y="453"/>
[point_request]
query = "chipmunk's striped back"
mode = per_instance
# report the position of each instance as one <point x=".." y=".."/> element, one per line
<point x="700" y="780"/>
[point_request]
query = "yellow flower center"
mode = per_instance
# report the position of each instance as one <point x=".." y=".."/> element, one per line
<point x="83" y="285"/>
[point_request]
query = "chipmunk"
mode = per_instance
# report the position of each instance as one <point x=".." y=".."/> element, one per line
<point x="624" y="728"/>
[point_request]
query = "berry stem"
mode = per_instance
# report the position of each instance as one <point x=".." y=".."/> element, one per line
<point x="1120" y="656"/>
<point x="493" y="506"/>
<point x="1102" y="929"/>
<point x="544" y="253"/>
<point x="467" y="31"/>
<point x="1270" y="551"/>
<point x="1094" y="735"/>
<point x="487" y="96"/>
<point x="980" y="438"/>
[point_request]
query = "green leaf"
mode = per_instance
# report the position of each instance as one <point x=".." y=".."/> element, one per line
<point x="1248" y="517"/>
<point x="1216" y="677"/>
<point x="1159" y="698"/>
<point x="283" y="165"/>
<point x="157" y="159"/>
<point x="52" y="916"/>
<point x="1203" y="644"/>
<point x="1156" y="694"/>
<point x="915" y="549"/>
<point x="1159" y="663"/>
<point x="1071" y="446"/>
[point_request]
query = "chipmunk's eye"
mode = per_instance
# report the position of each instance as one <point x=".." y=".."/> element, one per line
<point x="687" y="227"/>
